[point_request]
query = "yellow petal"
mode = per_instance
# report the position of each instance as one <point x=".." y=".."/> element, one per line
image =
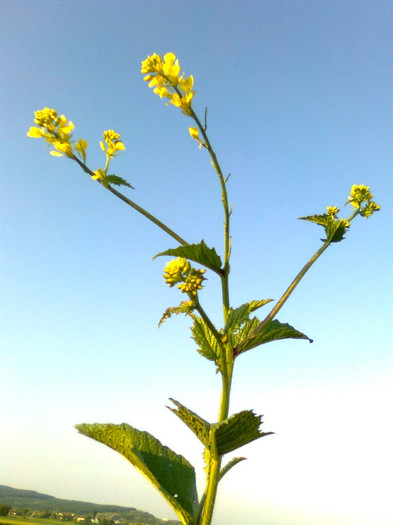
<point x="56" y="154"/>
<point x="194" y="133"/>
<point x="34" y="132"/>
<point x="169" y="58"/>
<point x="119" y="146"/>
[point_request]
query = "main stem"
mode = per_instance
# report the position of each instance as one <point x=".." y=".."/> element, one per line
<point x="227" y="214"/>
<point x="226" y="359"/>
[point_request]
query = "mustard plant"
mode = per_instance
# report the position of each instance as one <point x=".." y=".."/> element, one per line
<point x="171" y="474"/>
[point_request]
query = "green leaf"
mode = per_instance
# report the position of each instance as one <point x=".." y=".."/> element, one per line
<point x="254" y="305"/>
<point x="334" y="227"/>
<point x="237" y="431"/>
<point x="199" y="253"/>
<point x="335" y="230"/>
<point x="240" y="315"/>
<point x="118" y="181"/>
<point x="185" y="307"/>
<point x="237" y="317"/>
<point x="208" y="345"/>
<point x="317" y="219"/>
<point x="171" y="474"/>
<point x="228" y="466"/>
<point x="199" y="426"/>
<point x="273" y="331"/>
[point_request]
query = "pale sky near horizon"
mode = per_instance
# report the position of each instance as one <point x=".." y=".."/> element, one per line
<point x="299" y="98"/>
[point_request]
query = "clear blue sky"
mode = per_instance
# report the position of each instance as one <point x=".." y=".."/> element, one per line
<point x="299" y="97"/>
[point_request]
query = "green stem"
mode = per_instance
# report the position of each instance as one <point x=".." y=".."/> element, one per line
<point x="205" y="317"/>
<point x="295" y="282"/>
<point x="209" y="497"/>
<point x="227" y="214"/>
<point x="148" y="215"/>
<point x="288" y="292"/>
<point x="226" y="358"/>
<point x="133" y="205"/>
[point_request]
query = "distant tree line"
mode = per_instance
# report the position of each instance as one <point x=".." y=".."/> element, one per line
<point x="6" y="510"/>
<point x="83" y="519"/>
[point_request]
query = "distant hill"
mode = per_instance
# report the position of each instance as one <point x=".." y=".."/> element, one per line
<point x="33" y="500"/>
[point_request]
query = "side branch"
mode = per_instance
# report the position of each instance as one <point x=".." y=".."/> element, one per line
<point x="133" y="204"/>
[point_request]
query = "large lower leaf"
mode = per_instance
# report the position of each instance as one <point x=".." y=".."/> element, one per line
<point x="170" y="473"/>
<point x="199" y="253"/>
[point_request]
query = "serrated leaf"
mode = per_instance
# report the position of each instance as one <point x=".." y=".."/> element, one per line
<point x="208" y="345"/>
<point x="228" y="466"/>
<point x="198" y="425"/>
<point x="240" y="337"/>
<point x="185" y="307"/>
<point x="254" y="305"/>
<point x="335" y="230"/>
<point x="237" y="431"/>
<point x="237" y="317"/>
<point x="171" y="474"/>
<point x="334" y="227"/>
<point x="273" y="331"/>
<point x="199" y="253"/>
<point x="317" y="219"/>
<point x="118" y="181"/>
<point x="240" y="315"/>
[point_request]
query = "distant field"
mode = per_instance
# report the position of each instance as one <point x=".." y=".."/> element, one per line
<point x="24" y="521"/>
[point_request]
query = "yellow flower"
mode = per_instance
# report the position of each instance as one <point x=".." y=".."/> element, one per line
<point x="183" y="102"/>
<point x="332" y="210"/>
<point x="193" y="282"/>
<point x="186" y="84"/>
<point x="171" y="68"/>
<point x="176" y="271"/>
<point x="151" y="64"/>
<point x="62" y="148"/>
<point x="369" y="209"/>
<point x="99" y="174"/>
<point x="80" y="147"/>
<point x="113" y="142"/>
<point x="359" y="194"/>
<point x="195" y="135"/>
<point x="55" y="130"/>
<point x="179" y="271"/>
<point x="45" y="117"/>
<point x="360" y="198"/>
<point x="163" y="76"/>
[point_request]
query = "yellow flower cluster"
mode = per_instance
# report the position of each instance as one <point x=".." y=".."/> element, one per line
<point x="360" y="198"/>
<point x="163" y="76"/>
<point x="332" y="210"/>
<point x="55" y="130"/>
<point x="180" y="271"/>
<point x="176" y="271"/>
<point x="113" y="143"/>
<point x="193" y="282"/>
